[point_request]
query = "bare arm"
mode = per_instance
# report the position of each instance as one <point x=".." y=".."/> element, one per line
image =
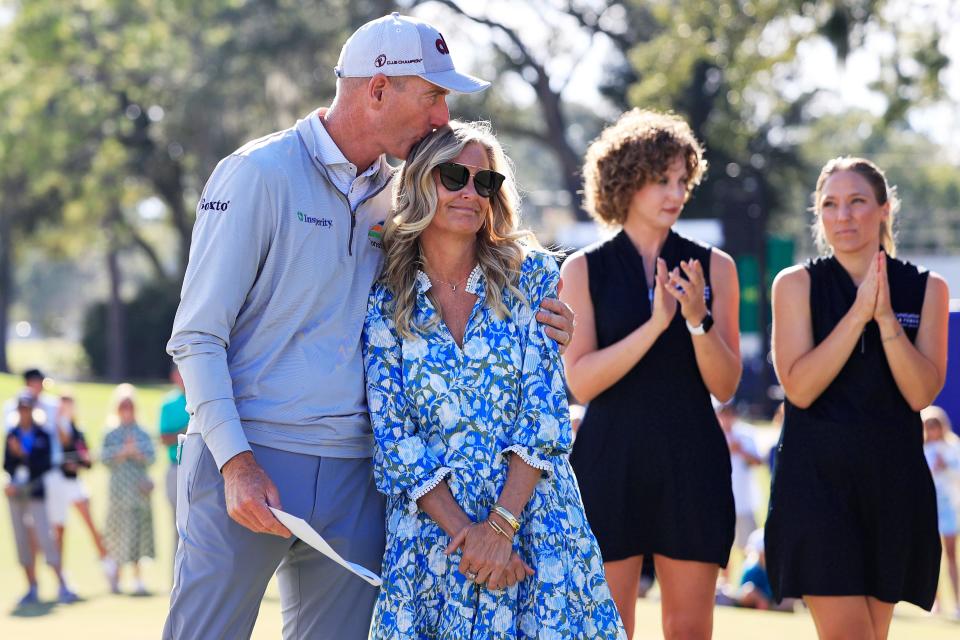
<point x="170" y="438"/>
<point x="717" y="351"/>
<point x="439" y="504"/>
<point x="919" y="369"/>
<point x="590" y="370"/>
<point x="806" y="371"/>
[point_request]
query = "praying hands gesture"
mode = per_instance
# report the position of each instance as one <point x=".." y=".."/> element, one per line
<point x="873" y="299"/>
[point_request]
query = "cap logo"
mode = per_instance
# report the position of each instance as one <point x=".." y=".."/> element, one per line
<point x="442" y="46"/>
<point x="381" y="60"/>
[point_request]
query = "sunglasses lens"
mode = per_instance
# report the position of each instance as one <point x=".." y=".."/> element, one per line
<point x="487" y="182"/>
<point x="454" y="176"/>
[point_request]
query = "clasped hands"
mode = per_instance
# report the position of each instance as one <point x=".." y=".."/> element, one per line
<point x="873" y="299"/>
<point x="488" y="557"/>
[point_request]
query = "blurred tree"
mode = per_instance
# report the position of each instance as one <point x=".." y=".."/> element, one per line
<point x="732" y="68"/>
<point x="142" y="97"/>
<point x="545" y="63"/>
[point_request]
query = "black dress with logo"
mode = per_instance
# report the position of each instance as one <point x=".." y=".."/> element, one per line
<point x="650" y="457"/>
<point x="852" y="505"/>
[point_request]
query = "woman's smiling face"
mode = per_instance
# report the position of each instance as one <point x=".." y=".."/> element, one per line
<point x="463" y="211"/>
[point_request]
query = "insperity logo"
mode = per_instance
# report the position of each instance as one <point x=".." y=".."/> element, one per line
<point x="319" y="222"/>
<point x="375" y="235"/>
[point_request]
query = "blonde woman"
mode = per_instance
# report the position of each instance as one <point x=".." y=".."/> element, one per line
<point x="486" y="535"/>
<point x="860" y="347"/>
<point x="128" y="452"/>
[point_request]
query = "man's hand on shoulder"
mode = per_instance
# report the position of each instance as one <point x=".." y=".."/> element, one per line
<point x="248" y="490"/>
<point x="558" y="320"/>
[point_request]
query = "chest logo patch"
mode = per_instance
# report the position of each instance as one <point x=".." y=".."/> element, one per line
<point x="319" y="222"/>
<point x="375" y="235"/>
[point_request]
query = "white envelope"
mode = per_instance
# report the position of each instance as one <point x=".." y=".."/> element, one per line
<point x="302" y="529"/>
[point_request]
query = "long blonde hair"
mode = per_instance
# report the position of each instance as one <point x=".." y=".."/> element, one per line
<point x="500" y="243"/>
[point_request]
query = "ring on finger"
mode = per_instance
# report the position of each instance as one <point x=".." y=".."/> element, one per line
<point x="471" y="575"/>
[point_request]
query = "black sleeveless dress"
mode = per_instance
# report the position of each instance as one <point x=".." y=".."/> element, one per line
<point x="852" y="504"/>
<point x="650" y="457"/>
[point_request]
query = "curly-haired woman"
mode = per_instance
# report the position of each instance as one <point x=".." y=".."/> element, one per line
<point x="650" y="457"/>
<point x="486" y="535"/>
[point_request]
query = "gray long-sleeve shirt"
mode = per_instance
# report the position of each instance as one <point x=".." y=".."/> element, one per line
<point x="267" y="335"/>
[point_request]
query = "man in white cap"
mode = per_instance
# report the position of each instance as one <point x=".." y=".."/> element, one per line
<point x="267" y="338"/>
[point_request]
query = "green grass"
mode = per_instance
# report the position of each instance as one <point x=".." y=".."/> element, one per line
<point x="105" y="616"/>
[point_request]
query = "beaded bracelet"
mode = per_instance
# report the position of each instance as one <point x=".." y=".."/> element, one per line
<point x="511" y="519"/>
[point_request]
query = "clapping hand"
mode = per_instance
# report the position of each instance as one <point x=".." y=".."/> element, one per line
<point x="664" y="305"/>
<point x="129" y="449"/>
<point x="688" y="289"/>
<point x="14" y="446"/>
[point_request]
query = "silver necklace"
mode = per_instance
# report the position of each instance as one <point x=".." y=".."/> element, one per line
<point x="453" y="285"/>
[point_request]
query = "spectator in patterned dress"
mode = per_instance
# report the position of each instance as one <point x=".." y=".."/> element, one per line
<point x="128" y="453"/>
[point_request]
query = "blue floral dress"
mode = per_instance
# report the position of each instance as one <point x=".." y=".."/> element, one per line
<point x="442" y="412"/>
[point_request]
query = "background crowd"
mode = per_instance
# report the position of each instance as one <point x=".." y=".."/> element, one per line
<point x="39" y="518"/>
<point x="45" y="457"/>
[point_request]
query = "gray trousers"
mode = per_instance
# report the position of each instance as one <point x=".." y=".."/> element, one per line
<point x="222" y="569"/>
<point x="28" y="515"/>
<point x="170" y="482"/>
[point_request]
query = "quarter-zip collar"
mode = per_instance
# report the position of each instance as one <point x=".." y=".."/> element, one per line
<point x="327" y="157"/>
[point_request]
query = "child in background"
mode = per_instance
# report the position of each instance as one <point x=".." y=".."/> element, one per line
<point x="128" y="453"/>
<point x="941" y="447"/>
<point x="754" y="591"/>
<point x="76" y="456"/>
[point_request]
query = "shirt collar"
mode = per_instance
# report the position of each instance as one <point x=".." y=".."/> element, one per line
<point x="329" y="154"/>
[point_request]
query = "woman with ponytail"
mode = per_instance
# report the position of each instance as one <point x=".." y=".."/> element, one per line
<point x="860" y="347"/>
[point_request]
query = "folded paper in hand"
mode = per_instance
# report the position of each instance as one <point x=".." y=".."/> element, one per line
<point x="302" y="529"/>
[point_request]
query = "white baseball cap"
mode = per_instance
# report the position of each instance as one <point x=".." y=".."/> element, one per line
<point x="396" y="45"/>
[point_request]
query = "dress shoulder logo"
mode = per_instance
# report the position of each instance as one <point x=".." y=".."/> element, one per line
<point x="909" y="320"/>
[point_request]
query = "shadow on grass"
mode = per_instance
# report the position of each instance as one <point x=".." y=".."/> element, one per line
<point x="32" y="610"/>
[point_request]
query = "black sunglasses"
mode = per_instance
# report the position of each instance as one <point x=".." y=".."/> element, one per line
<point x="455" y="176"/>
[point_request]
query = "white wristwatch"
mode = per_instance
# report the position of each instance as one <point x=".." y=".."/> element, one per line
<point x="704" y="327"/>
